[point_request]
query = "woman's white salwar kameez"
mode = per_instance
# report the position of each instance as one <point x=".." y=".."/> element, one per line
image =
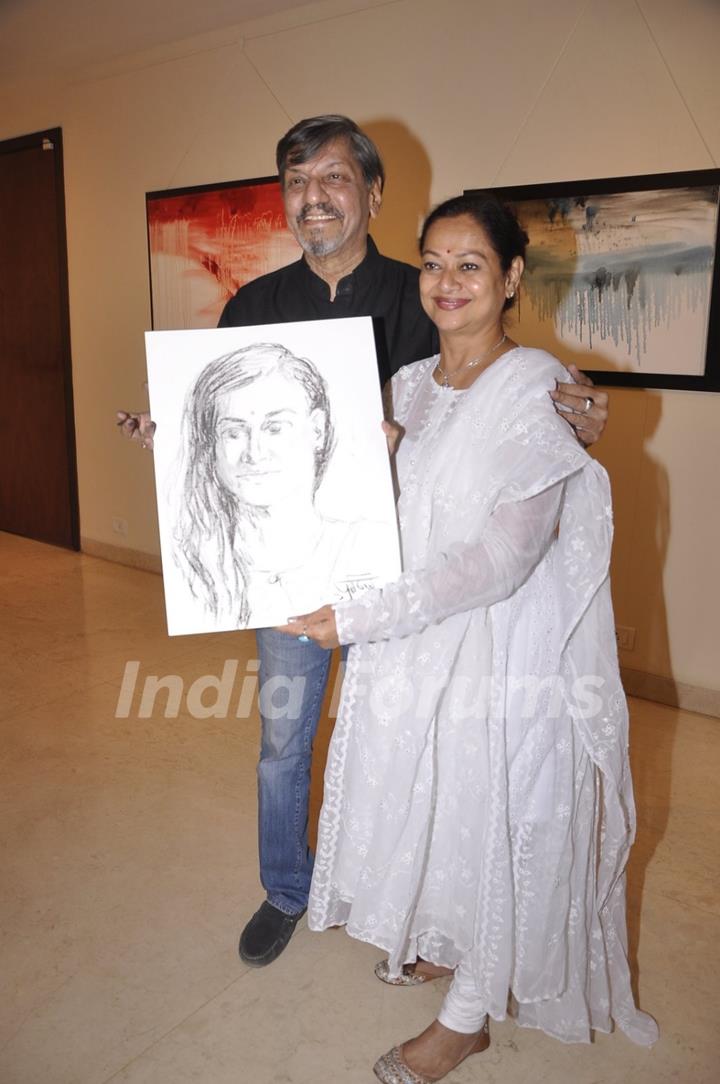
<point x="478" y="803"/>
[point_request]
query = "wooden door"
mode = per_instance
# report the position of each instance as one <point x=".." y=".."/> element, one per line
<point x="38" y="477"/>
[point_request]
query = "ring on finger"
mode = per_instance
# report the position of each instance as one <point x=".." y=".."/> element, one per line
<point x="589" y="403"/>
<point x="303" y="637"/>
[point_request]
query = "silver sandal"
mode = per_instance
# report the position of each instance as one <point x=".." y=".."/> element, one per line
<point x="406" y="978"/>
<point x="391" y="1069"/>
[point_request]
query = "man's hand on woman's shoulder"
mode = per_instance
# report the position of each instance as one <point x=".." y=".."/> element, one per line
<point x="586" y="411"/>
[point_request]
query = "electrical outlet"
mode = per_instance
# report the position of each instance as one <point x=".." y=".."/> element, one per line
<point x="119" y="526"/>
<point x="625" y="638"/>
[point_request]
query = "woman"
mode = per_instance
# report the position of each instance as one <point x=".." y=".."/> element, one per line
<point x="250" y="540"/>
<point x="478" y="807"/>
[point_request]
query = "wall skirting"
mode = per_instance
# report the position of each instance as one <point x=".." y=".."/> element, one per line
<point x="121" y="555"/>
<point x="676" y="694"/>
<point x="663" y="690"/>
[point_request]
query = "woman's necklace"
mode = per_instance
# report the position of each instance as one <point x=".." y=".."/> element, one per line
<point x="468" y="364"/>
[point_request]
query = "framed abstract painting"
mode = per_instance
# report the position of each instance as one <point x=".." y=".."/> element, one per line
<point x="207" y="241"/>
<point x="622" y="277"/>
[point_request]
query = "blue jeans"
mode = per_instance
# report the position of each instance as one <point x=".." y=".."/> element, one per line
<point x="293" y="678"/>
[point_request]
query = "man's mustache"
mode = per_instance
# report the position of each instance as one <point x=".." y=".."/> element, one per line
<point x="319" y="208"/>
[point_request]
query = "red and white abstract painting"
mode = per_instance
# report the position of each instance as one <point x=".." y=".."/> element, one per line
<point x="206" y="242"/>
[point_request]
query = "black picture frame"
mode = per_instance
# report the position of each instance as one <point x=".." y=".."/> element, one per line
<point x="573" y="198"/>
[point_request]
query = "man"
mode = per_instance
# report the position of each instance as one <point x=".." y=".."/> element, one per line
<point x="332" y="180"/>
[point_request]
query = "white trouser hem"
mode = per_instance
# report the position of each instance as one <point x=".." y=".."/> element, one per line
<point x="462" y="1009"/>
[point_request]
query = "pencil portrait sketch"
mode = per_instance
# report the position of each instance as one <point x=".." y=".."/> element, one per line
<point x="250" y="532"/>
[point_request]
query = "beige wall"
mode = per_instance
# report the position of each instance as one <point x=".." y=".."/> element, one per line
<point x="461" y="93"/>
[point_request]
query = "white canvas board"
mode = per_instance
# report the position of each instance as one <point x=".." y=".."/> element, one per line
<point x="273" y="480"/>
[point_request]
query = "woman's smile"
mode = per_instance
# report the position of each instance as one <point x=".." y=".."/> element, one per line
<point x="449" y="304"/>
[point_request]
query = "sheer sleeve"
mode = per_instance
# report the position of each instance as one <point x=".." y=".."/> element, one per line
<point x="464" y="577"/>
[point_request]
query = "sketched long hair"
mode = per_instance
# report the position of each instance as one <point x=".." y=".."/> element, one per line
<point x="211" y="527"/>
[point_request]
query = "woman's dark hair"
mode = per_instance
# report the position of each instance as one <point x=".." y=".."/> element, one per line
<point x="497" y="219"/>
<point x="306" y="138"/>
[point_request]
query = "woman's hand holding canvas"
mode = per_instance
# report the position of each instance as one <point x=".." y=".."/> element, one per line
<point x="319" y="626"/>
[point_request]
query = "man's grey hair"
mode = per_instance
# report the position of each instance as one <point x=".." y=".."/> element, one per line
<point x="306" y="138"/>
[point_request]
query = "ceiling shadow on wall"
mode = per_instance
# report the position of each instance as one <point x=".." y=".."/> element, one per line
<point x="406" y="198"/>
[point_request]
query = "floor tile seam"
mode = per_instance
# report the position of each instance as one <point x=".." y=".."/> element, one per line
<point x="175" y="1027"/>
<point x="19" y="715"/>
<point x="684" y="903"/>
<point x="34" y="1011"/>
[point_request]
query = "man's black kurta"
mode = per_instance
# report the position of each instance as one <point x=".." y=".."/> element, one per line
<point x="379" y="287"/>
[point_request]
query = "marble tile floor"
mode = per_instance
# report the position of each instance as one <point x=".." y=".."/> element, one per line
<point x="129" y="866"/>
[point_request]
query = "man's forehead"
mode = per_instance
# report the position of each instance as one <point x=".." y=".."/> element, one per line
<point x="334" y="152"/>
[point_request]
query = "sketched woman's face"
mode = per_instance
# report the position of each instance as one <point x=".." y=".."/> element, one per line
<point x="265" y="441"/>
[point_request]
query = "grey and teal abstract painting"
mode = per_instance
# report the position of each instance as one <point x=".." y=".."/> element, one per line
<point x="621" y="281"/>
